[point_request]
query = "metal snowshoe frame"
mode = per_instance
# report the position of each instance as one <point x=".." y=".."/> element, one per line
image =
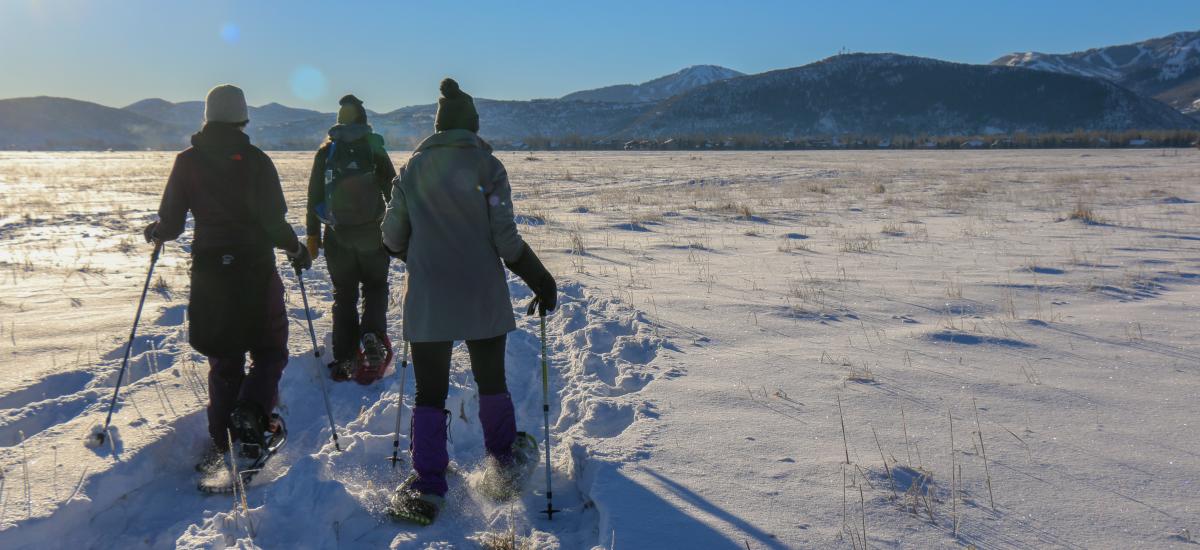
<point x="364" y="372"/>
<point x="245" y="475"/>
<point x="412" y="497"/>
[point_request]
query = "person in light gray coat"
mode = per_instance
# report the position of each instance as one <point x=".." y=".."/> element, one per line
<point x="451" y="222"/>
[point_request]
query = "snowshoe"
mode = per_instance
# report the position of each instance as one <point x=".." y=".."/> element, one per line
<point x="408" y="504"/>
<point x="374" y="356"/>
<point x="341" y="370"/>
<point x="249" y="459"/>
<point x="502" y="482"/>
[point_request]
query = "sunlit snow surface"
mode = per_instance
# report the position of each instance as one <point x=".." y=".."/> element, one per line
<point x="716" y="308"/>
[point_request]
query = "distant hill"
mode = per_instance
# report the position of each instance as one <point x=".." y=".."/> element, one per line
<point x="658" y="89"/>
<point x="498" y="120"/>
<point x="889" y="94"/>
<point x="187" y="114"/>
<point x="274" y="113"/>
<point x="51" y="123"/>
<point x="190" y="114"/>
<point x="1166" y="68"/>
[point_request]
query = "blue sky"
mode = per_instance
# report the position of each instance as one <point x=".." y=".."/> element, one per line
<point x="307" y="54"/>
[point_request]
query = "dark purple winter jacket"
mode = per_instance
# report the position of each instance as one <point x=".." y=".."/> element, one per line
<point x="233" y="192"/>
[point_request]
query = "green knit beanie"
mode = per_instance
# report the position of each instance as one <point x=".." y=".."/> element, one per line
<point x="351" y="110"/>
<point x="456" y="109"/>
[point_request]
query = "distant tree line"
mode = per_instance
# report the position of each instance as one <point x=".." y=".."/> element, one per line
<point x="751" y="142"/>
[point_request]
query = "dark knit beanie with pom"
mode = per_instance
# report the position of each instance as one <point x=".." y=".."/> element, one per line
<point x="351" y="110"/>
<point x="456" y="109"/>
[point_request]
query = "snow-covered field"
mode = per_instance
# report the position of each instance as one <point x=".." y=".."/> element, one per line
<point x="763" y="350"/>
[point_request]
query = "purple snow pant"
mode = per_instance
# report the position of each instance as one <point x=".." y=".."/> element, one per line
<point x="228" y="381"/>
<point x="431" y="365"/>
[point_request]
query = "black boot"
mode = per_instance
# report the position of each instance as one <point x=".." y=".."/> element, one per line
<point x="212" y="460"/>
<point x="249" y="423"/>
<point x="341" y="370"/>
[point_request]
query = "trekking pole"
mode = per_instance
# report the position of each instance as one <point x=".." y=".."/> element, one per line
<point x="400" y="398"/>
<point x="549" y="511"/>
<point x="317" y="353"/>
<point x="399" y="406"/>
<point x="97" y="439"/>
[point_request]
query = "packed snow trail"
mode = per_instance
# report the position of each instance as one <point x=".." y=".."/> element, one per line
<point x="140" y="490"/>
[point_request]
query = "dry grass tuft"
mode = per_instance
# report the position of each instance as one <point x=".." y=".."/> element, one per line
<point x="862" y="374"/>
<point x="127" y="246"/>
<point x="858" y="243"/>
<point x="893" y="229"/>
<point x="160" y="285"/>
<point x="506" y="540"/>
<point x="1084" y="214"/>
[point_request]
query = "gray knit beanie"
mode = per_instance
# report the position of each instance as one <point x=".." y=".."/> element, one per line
<point x="226" y="103"/>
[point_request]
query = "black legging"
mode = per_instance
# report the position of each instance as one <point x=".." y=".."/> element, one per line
<point x="431" y="367"/>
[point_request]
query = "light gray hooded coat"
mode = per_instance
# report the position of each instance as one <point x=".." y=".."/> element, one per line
<point x="451" y="222"/>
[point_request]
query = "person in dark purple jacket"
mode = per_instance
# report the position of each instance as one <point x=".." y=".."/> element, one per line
<point x="236" y="302"/>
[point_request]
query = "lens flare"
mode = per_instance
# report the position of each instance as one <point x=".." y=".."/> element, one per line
<point x="231" y="33"/>
<point x="308" y="83"/>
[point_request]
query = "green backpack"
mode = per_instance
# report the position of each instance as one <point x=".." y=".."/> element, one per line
<point x="351" y="194"/>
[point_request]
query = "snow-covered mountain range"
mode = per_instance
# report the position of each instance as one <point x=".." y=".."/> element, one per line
<point x="889" y="94"/>
<point x="658" y="89"/>
<point x="1166" y="68"/>
<point x="858" y="94"/>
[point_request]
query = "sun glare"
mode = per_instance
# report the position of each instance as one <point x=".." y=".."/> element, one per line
<point x="231" y="33"/>
<point x="308" y="83"/>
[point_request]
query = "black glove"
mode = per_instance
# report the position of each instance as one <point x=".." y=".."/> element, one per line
<point x="300" y="258"/>
<point x="148" y="233"/>
<point x="530" y="269"/>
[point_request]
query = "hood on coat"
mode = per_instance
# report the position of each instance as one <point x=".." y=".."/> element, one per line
<point x="454" y="138"/>
<point x="220" y="141"/>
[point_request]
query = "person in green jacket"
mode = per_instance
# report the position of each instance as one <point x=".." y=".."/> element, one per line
<point x="348" y="193"/>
